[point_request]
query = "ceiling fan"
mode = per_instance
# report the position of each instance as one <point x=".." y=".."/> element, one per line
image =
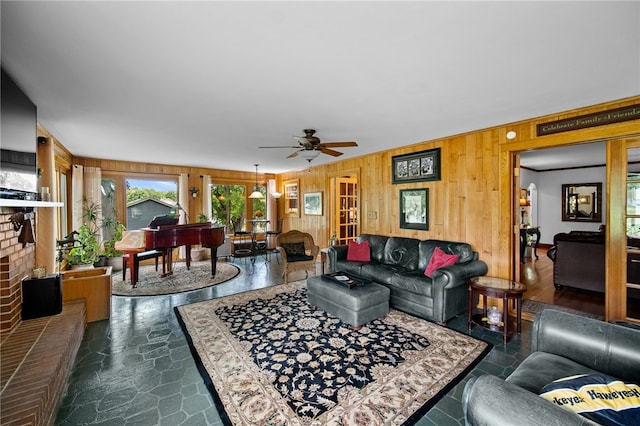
<point x="310" y="146"/>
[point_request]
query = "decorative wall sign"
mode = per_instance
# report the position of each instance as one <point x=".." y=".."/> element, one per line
<point x="414" y="209"/>
<point x="631" y="112"/>
<point x="313" y="203"/>
<point x="416" y="167"/>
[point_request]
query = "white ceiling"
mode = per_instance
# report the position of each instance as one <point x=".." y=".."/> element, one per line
<point x="205" y="83"/>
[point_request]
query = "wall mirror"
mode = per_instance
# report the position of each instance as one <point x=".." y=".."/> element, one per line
<point x="582" y="202"/>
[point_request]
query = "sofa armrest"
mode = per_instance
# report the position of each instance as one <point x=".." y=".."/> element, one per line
<point x="602" y="346"/>
<point x="457" y="275"/>
<point x="336" y="253"/>
<point x="488" y="400"/>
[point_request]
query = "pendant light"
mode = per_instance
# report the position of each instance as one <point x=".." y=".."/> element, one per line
<point x="256" y="193"/>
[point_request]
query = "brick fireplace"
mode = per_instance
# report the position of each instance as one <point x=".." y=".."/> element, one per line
<point x="16" y="263"/>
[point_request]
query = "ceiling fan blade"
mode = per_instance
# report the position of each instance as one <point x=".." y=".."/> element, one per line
<point x="290" y="147"/>
<point x="293" y="154"/>
<point x="338" y="144"/>
<point x="331" y="152"/>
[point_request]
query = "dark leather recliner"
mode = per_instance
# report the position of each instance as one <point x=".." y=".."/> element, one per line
<point x="562" y="345"/>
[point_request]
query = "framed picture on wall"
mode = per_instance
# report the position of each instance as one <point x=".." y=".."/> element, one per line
<point x="291" y="198"/>
<point x="416" y="167"/>
<point x="313" y="203"/>
<point x="414" y="209"/>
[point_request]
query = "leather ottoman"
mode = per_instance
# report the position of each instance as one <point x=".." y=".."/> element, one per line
<point x="355" y="306"/>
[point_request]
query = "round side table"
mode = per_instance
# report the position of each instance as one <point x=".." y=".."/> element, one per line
<point x="498" y="288"/>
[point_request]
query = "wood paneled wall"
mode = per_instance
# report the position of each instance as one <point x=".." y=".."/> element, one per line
<point x="473" y="201"/>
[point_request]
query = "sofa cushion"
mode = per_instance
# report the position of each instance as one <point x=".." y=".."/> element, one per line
<point x="541" y="368"/>
<point x="359" y="252"/>
<point x="401" y="252"/>
<point x="601" y="398"/>
<point x="295" y="252"/>
<point x="463" y="250"/>
<point x="377" y="244"/>
<point x="438" y="260"/>
<point x="379" y="272"/>
<point x="415" y="282"/>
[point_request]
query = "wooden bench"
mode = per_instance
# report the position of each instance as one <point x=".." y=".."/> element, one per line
<point x="143" y="255"/>
<point x="36" y="360"/>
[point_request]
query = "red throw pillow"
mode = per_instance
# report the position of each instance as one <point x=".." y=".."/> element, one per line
<point x="439" y="259"/>
<point x="359" y="252"/>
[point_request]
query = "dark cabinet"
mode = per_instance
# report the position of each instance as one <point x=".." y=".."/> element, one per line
<point x="633" y="268"/>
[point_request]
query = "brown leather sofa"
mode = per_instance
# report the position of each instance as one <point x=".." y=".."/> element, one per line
<point x="578" y="260"/>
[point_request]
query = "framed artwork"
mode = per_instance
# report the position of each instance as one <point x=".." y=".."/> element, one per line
<point x="416" y="167"/>
<point x="291" y="198"/>
<point x="414" y="209"/>
<point x="313" y="203"/>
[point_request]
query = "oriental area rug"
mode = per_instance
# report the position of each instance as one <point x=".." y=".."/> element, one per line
<point x="270" y="358"/>
<point x="151" y="284"/>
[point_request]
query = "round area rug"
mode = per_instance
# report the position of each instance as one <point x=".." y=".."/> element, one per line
<point x="151" y="284"/>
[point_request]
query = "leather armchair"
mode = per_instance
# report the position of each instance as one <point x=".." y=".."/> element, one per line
<point x="562" y="345"/>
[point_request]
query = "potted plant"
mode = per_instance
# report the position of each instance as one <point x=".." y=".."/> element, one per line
<point x="114" y="257"/>
<point x="86" y="250"/>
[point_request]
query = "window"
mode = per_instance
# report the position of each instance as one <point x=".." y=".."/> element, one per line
<point x="147" y="198"/>
<point x="228" y="206"/>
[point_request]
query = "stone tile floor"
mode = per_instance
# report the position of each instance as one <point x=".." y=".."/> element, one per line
<point x="136" y="368"/>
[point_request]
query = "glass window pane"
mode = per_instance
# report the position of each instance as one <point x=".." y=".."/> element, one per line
<point x="260" y="204"/>
<point x="228" y="206"/>
<point x="633" y="198"/>
<point x="633" y="227"/>
<point x="147" y="198"/>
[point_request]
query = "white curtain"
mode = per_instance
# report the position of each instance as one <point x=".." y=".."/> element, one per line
<point x="86" y="190"/>
<point x="272" y="212"/>
<point x="183" y="199"/>
<point x="93" y="193"/>
<point x="77" y="194"/>
<point x="206" y="196"/>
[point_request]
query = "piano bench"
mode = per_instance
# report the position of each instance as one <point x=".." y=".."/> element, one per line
<point x="144" y="255"/>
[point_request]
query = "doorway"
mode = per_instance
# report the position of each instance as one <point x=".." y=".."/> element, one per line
<point x="344" y="206"/>
<point x="547" y="170"/>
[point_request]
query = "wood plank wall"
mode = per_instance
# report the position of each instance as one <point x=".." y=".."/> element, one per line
<point x="472" y="202"/>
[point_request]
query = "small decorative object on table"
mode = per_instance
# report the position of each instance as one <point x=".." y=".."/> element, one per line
<point x="494" y="316"/>
<point x="346" y="279"/>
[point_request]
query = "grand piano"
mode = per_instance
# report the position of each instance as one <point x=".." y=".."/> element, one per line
<point x="164" y="239"/>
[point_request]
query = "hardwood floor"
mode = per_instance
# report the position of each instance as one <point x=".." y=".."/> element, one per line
<point x="537" y="275"/>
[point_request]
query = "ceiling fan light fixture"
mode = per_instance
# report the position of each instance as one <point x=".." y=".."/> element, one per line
<point x="256" y="193"/>
<point x="310" y="154"/>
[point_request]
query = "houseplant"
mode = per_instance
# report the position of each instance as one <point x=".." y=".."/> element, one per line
<point x="86" y="250"/>
<point x="86" y="247"/>
<point x="114" y="257"/>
